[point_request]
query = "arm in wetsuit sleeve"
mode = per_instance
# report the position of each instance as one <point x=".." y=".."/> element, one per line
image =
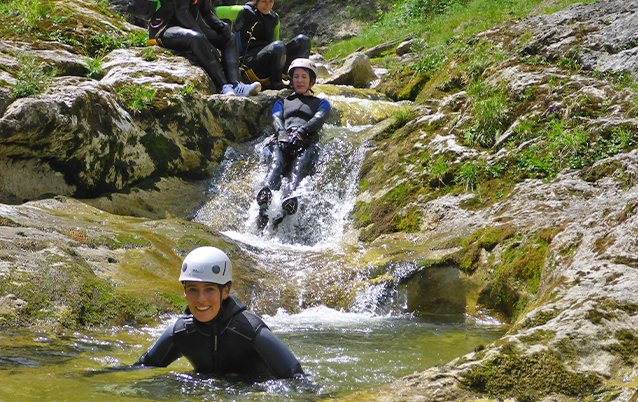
<point x="211" y="19"/>
<point x="278" y="117"/>
<point x="184" y="16"/>
<point x="162" y="353"/>
<point x="316" y="122"/>
<point x="279" y="359"/>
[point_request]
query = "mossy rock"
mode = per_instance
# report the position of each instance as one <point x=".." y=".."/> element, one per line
<point x="405" y="85"/>
<point x="71" y="296"/>
<point x="528" y="377"/>
<point x="486" y="238"/>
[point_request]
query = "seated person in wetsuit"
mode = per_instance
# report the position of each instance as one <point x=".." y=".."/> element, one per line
<point x="264" y="56"/>
<point x="297" y="120"/>
<point x="185" y="25"/>
<point x="217" y="334"/>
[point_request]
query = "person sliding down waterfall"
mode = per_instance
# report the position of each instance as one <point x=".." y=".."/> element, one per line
<point x="296" y="120"/>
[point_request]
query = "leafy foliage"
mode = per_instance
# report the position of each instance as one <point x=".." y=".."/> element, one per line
<point x="94" y="68"/>
<point x="33" y="77"/>
<point x="137" y="97"/>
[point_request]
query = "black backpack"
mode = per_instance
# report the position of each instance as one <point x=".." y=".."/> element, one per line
<point x="143" y="9"/>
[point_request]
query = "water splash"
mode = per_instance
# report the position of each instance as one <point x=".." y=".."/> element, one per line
<point x="326" y="198"/>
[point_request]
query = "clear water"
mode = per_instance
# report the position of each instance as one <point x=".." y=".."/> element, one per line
<point x="340" y="352"/>
<point x="373" y="343"/>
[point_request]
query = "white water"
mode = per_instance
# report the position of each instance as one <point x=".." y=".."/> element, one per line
<point x="326" y="198"/>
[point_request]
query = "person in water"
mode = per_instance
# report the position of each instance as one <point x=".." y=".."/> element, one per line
<point x="265" y="57"/>
<point x="296" y="120"/>
<point x="191" y="25"/>
<point x="217" y="334"/>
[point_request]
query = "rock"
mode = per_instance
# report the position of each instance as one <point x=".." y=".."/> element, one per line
<point x="82" y="137"/>
<point x="356" y="71"/>
<point x="404" y="47"/>
<point x="610" y="42"/>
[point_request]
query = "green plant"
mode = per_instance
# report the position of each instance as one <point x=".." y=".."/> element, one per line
<point x="24" y="14"/>
<point x="490" y="113"/>
<point x="32" y="78"/>
<point x="135" y="39"/>
<point x="570" y="61"/>
<point x="439" y="169"/>
<point x="187" y="90"/>
<point x="533" y="162"/>
<point x="403" y="117"/>
<point x="137" y="97"/>
<point x="425" y="8"/>
<point x="149" y="54"/>
<point x="94" y="68"/>
<point x="430" y="59"/>
<point x="479" y="56"/>
<point x="468" y="175"/>
<point x="567" y="146"/>
<point x="102" y="43"/>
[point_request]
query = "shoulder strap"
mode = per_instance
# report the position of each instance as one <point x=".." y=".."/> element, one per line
<point x="184" y="324"/>
<point x="246" y="324"/>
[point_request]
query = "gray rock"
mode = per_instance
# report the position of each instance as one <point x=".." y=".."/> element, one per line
<point x="609" y="32"/>
<point x="356" y="71"/>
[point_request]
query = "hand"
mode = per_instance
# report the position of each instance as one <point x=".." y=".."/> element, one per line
<point x="297" y="138"/>
<point x="282" y="136"/>
<point x="226" y="31"/>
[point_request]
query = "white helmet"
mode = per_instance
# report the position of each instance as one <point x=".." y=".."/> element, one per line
<point x="304" y="63"/>
<point x="207" y="264"/>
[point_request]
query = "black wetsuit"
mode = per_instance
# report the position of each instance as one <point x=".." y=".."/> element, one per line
<point x="260" y="48"/>
<point x="296" y="115"/>
<point x="182" y="26"/>
<point x="236" y="342"/>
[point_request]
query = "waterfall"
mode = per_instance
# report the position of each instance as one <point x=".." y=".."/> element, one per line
<point x="326" y="197"/>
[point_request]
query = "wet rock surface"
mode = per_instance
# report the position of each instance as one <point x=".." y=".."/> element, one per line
<point x="79" y="137"/>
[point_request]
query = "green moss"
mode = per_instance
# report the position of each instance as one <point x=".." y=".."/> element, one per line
<point x="629" y="261"/>
<point x="70" y="295"/>
<point x="486" y="238"/>
<point x="626" y="346"/>
<point x="177" y="302"/>
<point x="386" y="212"/>
<point x="162" y="150"/>
<point x="100" y="303"/>
<point x="488" y="193"/>
<point x="361" y="214"/>
<point x="4" y="221"/>
<point x="524" y="262"/>
<point x="516" y="277"/>
<point x="539" y="337"/>
<point x="122" y="241"/>
<point x="189" y="242"/>
<point x="528" y="377"/>
<point x="404" y="85"/>
<point x="408" y="222"/>
<point x="540" y="318"/>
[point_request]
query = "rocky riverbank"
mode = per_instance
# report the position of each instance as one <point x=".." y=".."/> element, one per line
<point x="537" y="204"/>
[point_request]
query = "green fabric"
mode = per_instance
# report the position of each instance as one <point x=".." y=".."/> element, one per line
<point x="228" y="12"/>
<point x="276" y="33"/>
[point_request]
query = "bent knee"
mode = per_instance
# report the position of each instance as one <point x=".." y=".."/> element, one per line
<point x="278" y="46"/>
<point x="301" y="38"/>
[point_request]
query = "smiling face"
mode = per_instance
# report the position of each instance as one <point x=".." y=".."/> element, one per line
<point x="300" y="80"/>
<point x="205" y="299"/>
<point x="264" y="6"/>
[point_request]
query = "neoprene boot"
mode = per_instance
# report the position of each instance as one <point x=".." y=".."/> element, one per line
<point x="290" y="205"/>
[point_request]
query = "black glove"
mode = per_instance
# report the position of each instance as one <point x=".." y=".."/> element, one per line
<point x="298" y="137"/>
<point x="225" y="30"/>
<point x="282" y="136"/>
